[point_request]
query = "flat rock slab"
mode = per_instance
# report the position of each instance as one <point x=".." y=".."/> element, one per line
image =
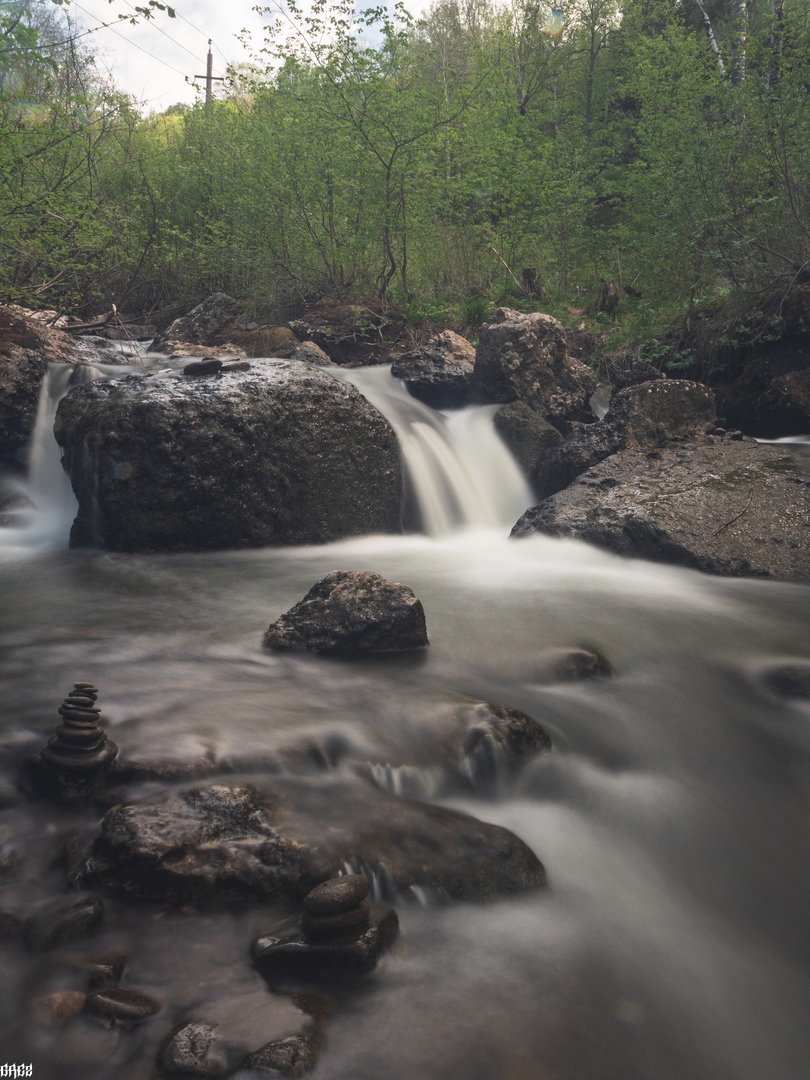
<point x="347" y="956"/>
<point x="217" y="845"/>
<point x="351" y="613"/>
<point x="725" y="507"/>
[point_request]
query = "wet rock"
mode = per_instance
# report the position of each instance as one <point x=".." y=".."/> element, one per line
<point x="310" y="353"/>
<point x="725" y="507"/>
<point x="345" y="956"/>
<point x="59" y="1007"/>
<point x="98" y="969"/>
<point x="570" y="664"/>
<point x="235" y="365"/>
<point x="784" y="408"/>
<point x="26" y="348"/>
<point x="351" y="613"/>
<point x="201" y="325"/>
<point x="122" y="1004"/>
<point x="320" y="926"/>
<point x="790" y="681"/>
<point x="523" y="357"/>
<point x="352" y="332"/>
<point x="497" y="741"/>
<point x="217" y="845"/>
<point x="293" y="1056"/>
<point x="203" y="367"/>
<point x="336" y="895"/>
<point x="60" y="921"/>
<point x="646" y="415"/>
<point x="281" y="454"/>
<point x="438" y="373"/>
<point x="529" y="437"/>
<point x="197" y="1049"/>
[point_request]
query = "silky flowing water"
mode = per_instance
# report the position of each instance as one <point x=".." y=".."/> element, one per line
<point x="672" y="816"/>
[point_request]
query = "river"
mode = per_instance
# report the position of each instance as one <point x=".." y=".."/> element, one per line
<point x="673" y="941"/>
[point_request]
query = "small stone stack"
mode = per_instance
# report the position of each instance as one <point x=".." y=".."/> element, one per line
<point x="336" y="906"/>
<point x="79" y="753"/>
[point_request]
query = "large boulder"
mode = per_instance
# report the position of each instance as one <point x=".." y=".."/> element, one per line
<point x="202" y="325"/>
<point x="279" y="454"/>
<point x="351" y="613"/>
<point x="528" y="436"/>
<point x="27" y="346"/>
<point x="644" y="415"/>
<point x="524" y="357"/>
<point x="438" y="373"/>
<point x="717" y="505"/>
<point x="218" y="845"/>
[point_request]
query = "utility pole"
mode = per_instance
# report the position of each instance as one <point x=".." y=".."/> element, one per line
<point x="210" y="79"/>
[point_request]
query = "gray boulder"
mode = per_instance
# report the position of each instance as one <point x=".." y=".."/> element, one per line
<point x="717" y="505"/>
<point x="524" y="357"/>
<point x="218" y="845"/>
<point x="279" y="454"/>
<point x="529" y="437"/>
<point x="351" y="613"/>
<point x="202" y="324"/>
<point x="645" y="415"/>
<point x="438" y="373"/>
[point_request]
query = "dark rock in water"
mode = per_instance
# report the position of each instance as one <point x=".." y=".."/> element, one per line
<point x="528" y="436"/>
<point x="351" y="613"/>
<point x="60" y="921"/>
<point x="122" y="1004"/>
<point x="570" y="664"/>
<point x="438" y="373"/>
<point x="496" y="742"/>
<point x="523" y="357"/>
<point x="202" y="324"/>
<point x="724" y="507"/>
<point x="99" y="969"/>
<point x="281" y="454"/>
<point x="211" y="366"/>
<point x="196" y="1049"/>
<point x="235" y="365"/>
<point x="339" y="923"/>
<point x="217" y="845"/>
<point x="336" y="895"/>
<point x="298" y="957"/>
<point x="646" y="415"/>
<point x="789" y="681"/>
<point x="294" y="1056"/>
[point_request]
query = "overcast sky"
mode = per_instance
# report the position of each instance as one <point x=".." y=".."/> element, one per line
<point x="151" y="60"/>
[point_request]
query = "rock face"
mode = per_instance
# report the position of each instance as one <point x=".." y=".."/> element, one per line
<point x="645" y="415"/>
<point x="216" y="845"/>
<point x="351" y="613"/>
<point x="202" y="324"/>
<point x="26" y="349"/>
<point x="279" y="454"/>
<point x="438" y="373"/>
<point x="771" y="398"/>
<point x="358" y="332"/>
<point x="721" y="506"/>
<point x="523" y="357"/>
<point x="529" y="437"/>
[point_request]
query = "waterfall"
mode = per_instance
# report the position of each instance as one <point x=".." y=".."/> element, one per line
<point x="460" y="472"/>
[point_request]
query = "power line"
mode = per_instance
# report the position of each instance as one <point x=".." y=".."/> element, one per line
<point x="202" y="32"/>
<point x="162" y="31"/>
<point x="130" y="42"/>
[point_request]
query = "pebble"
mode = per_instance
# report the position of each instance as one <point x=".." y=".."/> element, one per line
<point x="336" y="924"/>
<point x="62" y="920"/>
<point x="122" y="1004"/>
<point x="100" y="969"/>
<point x="337" y="895"/>
<point x="59" y="1007"/>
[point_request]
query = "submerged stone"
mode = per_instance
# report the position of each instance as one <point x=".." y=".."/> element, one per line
<point x="337" y="895"/>
<point x="122" y="1004"/>
<point x="59" y="921"/>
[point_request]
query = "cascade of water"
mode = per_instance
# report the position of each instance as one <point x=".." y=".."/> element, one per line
<point x="461" y="473"/>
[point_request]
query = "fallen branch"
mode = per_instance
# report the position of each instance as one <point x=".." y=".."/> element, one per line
<point x="731" y="521"/>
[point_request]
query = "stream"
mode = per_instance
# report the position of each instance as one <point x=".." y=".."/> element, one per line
<point x="673" y="815"/>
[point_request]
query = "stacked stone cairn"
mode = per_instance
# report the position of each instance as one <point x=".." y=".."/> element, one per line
<point x="341" y="936"/>
<point x="78" y="755"/>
